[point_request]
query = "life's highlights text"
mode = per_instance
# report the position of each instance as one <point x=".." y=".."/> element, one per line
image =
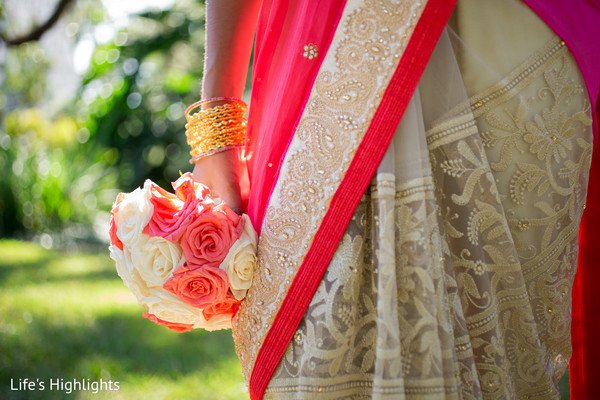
<point x="67" y="386"/>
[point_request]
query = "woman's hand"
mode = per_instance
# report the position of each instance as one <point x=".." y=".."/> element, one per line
<point x="221" y="173"/>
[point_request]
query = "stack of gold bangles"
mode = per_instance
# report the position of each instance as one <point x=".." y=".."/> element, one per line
<point x="218" y="128"/>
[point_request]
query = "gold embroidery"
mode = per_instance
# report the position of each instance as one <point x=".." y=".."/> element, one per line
<point x="539" y="145"/>
<point x="362" y="58"/>
<point x="345" y="341"/>
<point x="311" y="51"/>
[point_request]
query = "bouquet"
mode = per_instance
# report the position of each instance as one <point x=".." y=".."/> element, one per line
<point x="186" y="257"/>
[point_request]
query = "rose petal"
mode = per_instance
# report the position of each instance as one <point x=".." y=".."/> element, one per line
<point x="241" y="261"/>
<point x="185" y="188"/>
<point x="173" y="213"/>
<point x="112" y="231"/>
<point x="227" y="306"/>
<point x="174" y="326"/>
<point x="198" y="287"/>
<point x="132" y="215"/>
<point x="209" y="237"/>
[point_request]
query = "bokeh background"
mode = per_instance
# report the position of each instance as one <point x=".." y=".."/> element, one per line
<point x="92" y="97"/>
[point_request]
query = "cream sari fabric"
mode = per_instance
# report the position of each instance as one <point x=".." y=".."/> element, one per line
<point x="453" y="279"/>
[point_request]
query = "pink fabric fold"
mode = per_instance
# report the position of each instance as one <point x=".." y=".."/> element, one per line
<point x="282" y="79"/>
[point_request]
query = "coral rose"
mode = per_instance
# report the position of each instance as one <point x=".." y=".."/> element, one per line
<point x="226" y="307"/>
<point x="208" y="238"/>
<point x="185" y="188"/>
<point x="173" y="212"/>
<point x="199" y="287"/>
<point x="171" y="325"/>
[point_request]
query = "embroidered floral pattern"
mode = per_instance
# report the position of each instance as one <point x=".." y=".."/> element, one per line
<point x="344" y="94"/>
<point x="465" y="292"/>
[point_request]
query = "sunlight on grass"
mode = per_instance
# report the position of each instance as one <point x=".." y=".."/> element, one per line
<point x="21" y="252"/>
<point x="69" y="316"/>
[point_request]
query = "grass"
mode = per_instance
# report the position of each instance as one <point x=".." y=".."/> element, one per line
<point x="69" y="317"/>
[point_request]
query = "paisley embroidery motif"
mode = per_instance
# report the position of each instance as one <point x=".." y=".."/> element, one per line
<point x="362" y="58"/>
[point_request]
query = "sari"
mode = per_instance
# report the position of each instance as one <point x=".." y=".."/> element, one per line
<point x="418" y="209"/>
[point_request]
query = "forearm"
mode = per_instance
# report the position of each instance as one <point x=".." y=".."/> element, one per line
<point x="230" y="30"/>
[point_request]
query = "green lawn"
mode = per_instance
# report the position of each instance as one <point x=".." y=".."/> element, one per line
<point x="69" y="317"/>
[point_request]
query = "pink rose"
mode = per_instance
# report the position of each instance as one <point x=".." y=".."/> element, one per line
<point x="227" y="306"/>
<point x="186" y="188"/>
<point x="112" y="231"/>
<point x="208" y="238"/>
<point x="174" y="326"/>
<point x="173" y="212"/>
<point x="200" y="286"/>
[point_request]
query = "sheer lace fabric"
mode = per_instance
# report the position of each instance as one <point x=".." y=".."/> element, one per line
<point x="453" y="278"/>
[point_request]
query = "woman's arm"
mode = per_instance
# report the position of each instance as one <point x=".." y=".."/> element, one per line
<point x="230" y="30"/>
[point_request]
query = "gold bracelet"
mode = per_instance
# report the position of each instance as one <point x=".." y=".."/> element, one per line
<point x="229" y="103"/>
<point x="217" y="128"/>
<point x="218" y="113"/>
<point x="212" y="100"/>
<point x="200" y="141"/>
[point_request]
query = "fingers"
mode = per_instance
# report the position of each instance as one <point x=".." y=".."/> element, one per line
<point x="220" y="172"/>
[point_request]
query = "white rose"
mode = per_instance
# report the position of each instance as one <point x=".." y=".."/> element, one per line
<point x="217" y="322"/>
<point x="128" y="274"/>
<point x="241" y="261"/>
<point x="133" y="215"/>
<point x="168" y="307"/>
<point x="156" y="259"/>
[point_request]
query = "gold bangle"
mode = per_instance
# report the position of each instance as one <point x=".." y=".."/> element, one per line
<point x="196" y="158"/>
<point x="229" y="103"/>
<point x="211" y="100"/>
<point x="205" y="144"/>
<point x="217" y="128"/>
<point x="200" y="142"/>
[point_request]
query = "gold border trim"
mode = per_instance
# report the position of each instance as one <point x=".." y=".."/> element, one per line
<point x="353" y="76"/>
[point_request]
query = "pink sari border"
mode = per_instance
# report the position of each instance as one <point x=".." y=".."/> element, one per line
<point x="304" y="102"/>
<point x="282" y="81"/>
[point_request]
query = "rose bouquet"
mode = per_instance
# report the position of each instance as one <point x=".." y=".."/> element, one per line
<point x="187" y="258"/>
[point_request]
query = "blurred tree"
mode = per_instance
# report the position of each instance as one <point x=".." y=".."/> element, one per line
<point x="37" y="32"/>
<point x="151" y="71"/>
<point x="124" y="125"/>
